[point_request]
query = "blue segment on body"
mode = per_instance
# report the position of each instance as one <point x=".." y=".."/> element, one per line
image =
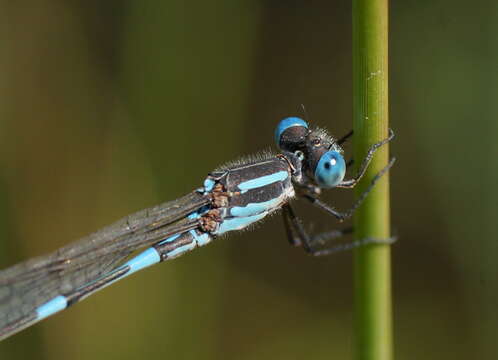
<point x="197" y="214"/>
<point x="239" y="223"/>
<point x="254" y="208"/>
<point x="263" y="180"/>
<point x="51" y="307"/>
<point x="170" y="239"/>
<point x="202" y="239"/>
<point x="208" y="184"/>
<point x="287" y="123"/>
<point x="141" y="261"/>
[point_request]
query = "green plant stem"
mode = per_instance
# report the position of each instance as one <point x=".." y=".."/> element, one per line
<point x="373" y="328"/>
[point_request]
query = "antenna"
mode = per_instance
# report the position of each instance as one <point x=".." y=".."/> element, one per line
<point x="303" y="109"/>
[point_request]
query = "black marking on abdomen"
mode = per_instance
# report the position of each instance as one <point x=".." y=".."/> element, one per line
<point x="164" y="248"/>
<point x="78" y="294"/>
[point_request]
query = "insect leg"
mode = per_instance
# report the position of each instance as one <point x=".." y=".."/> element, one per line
<point x="345" y="138"/>
<point x="299" y="236"/>
<point x="352" y="245"/>
<point x="364" y="165"/>
<point x="347" y="214"/>
<point x="290" y="230"/>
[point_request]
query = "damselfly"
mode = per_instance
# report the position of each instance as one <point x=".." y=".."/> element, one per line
<point x="232" y="197"/>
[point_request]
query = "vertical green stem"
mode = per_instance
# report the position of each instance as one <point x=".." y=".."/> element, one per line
<point x="372" y="266"/>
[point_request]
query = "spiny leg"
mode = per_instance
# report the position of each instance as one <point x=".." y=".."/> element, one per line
<point x="366" y="161"/>
<point x="352" y="245"/>
<point x="308" y="242"/>
<point x="347" y="214"/>
<point x="344" y="138"/>
<point x="292" y="236"/>
<point x="299" y="236"/>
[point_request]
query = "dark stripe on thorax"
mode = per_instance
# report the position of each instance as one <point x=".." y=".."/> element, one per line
<point x="239" y="175"/>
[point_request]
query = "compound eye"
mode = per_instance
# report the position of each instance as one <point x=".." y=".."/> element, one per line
<point x="291" y="133"/>
<point x="330" y="169"/>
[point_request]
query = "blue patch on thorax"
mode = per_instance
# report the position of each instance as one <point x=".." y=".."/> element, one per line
<point x="263" y="180"/>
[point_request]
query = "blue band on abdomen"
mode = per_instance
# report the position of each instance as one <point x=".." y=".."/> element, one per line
<point x="202" y="239"/>
<point x="51" y="307"/>
<point x="146" y="258"/>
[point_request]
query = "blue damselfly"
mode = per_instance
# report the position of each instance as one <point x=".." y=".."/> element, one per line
<point x="232" y="197"/>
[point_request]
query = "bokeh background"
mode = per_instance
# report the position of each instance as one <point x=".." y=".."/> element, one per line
<point x="107" y="107"/>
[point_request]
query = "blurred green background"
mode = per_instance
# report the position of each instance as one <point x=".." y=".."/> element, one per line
<point x="107" y="107"/>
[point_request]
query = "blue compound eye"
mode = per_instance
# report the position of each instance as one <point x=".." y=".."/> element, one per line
<point x="290" y="133"/>
<point x="330" y="169"/>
